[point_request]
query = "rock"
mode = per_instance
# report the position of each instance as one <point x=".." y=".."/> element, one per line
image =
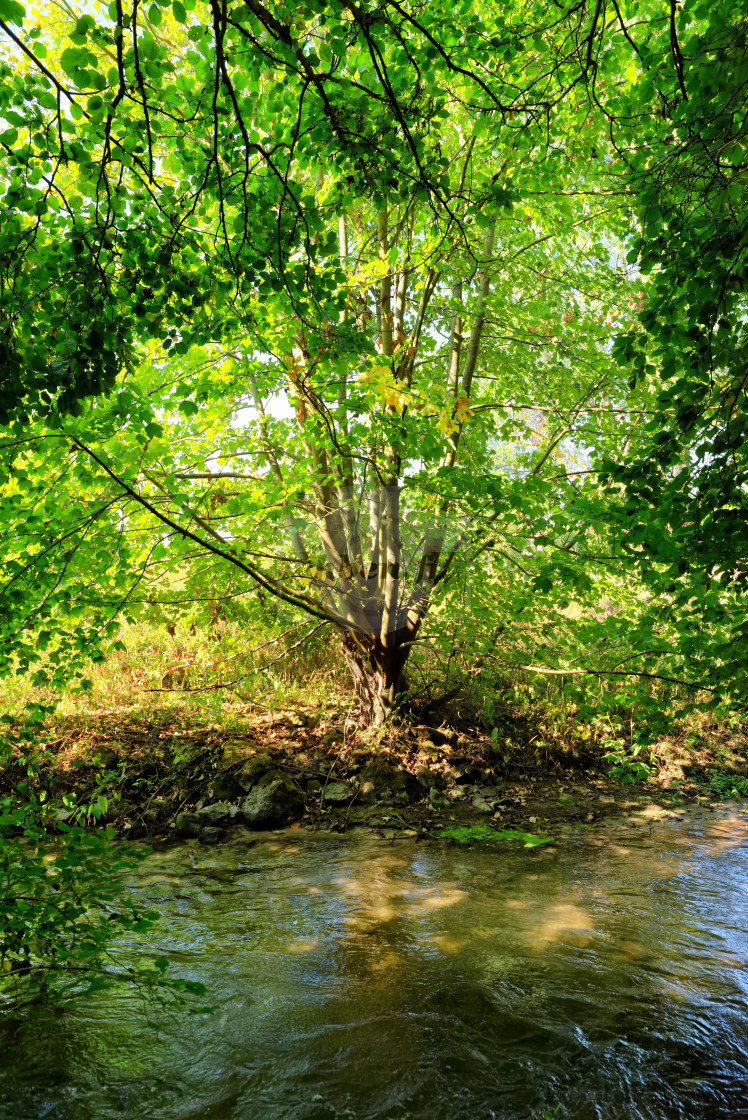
<point x="188" y="825"/>
<point x="441" y="738"/>
<point x="333" y="736"/>
<point x="456" y="793"/>
<point x="107" y="759"/>
<point x="462" y="771"/>
<point x="272" y="801"/>
<point x="156" y="813"/>
<point x="439" y="801"/>
<point x="566" y="801"/>
<point x="429" y="778"/>
<point x="314" y="786"/>
<point x="337" y="793"/>
<point x="215" y="815"/>
<point x="388" y="784"/>
<point x="224" y="787"/>
<point x="116" y="809"/>
<point x="210" y="835"/>
<point x="254" y="769"/>
<point x="480" y="803"/>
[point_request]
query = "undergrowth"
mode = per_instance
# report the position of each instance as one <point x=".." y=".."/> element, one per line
<point x="221" y="673"/>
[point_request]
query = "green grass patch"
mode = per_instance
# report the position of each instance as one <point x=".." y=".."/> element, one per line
<point x="484" y="834"/>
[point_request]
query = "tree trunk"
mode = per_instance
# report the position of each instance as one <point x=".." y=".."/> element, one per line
<point x="377" y="674"/>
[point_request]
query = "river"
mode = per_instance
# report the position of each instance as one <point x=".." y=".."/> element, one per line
<point x="605" y="977"/>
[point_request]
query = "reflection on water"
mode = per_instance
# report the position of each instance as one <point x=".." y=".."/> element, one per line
<point x="607" y="980"/>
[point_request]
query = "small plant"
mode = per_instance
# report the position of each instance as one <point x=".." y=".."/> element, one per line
<point x="627" y="765"/>
<point x="729" y="785"/>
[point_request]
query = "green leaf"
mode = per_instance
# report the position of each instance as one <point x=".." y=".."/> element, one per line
<point x="154" y="15"/>
<point x="179" y="11"/>
<point x="84" y="25"/>
<point x="12" y="12"/>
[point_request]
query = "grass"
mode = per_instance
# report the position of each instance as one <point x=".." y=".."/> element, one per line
<point x="212" y="675"/>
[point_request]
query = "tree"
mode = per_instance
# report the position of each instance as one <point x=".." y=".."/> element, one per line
<point x="686" y="486"/>
<point x="405" y="222"/>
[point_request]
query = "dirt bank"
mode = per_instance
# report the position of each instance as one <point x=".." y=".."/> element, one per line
<point x="164" y="780"/>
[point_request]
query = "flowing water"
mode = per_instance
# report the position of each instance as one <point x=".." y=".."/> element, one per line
<point x="358" y="979"/>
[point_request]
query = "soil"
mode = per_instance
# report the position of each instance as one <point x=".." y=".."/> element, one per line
<point x="152" y="770"/>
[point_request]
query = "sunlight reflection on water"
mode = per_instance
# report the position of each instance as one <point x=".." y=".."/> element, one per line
<point x="607" y="979"/>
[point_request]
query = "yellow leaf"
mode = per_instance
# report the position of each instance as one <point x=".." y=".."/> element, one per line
<point x="446" y="421"/>
<point x="463" y="411"/>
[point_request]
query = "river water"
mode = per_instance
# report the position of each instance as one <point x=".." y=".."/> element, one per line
<point x="603" y="978"/>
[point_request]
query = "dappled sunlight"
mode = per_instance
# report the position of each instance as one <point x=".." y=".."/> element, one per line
<point x="725" y="835"/>
<point x="448" y="944"/>
<point x="559" y="922"/>
<point x="343" y="955"/>
<point x="372" y="915"/>
<point x="303" y="945"/>
<point x="449" y="896"/>
<point x="386" y="962"/>
<point x="631" y="951"/>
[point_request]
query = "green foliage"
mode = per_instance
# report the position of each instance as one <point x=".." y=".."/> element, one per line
<point x="729" y="785"/>
<point x="428" y="350"/>
<point x="628" y="764"/>
<point x="62" y="908"/>
<point x="485" y="835"/>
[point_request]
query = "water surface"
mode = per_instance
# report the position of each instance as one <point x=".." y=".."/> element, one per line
<point x="353" y="978"/>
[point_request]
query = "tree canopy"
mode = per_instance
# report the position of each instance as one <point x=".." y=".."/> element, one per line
<point x="422" y="320"/>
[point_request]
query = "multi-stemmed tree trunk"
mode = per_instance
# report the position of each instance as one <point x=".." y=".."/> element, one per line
<point x="373" y="549"/>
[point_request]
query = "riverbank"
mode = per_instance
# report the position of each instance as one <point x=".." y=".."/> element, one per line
<point x="161" y="779"/>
